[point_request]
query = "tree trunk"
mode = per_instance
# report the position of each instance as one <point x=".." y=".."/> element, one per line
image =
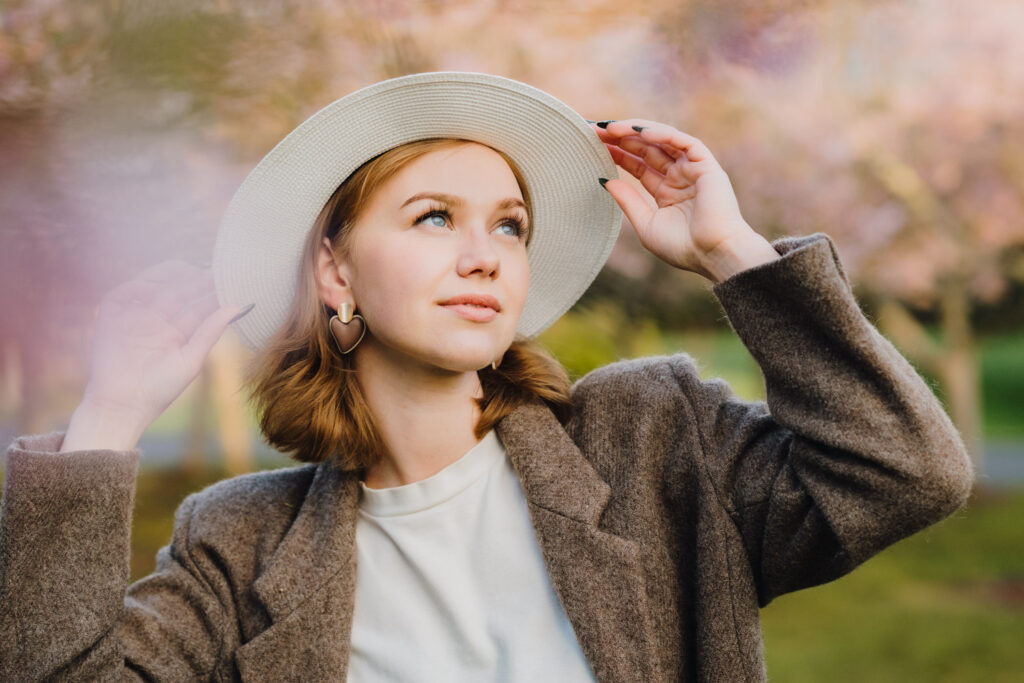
<point x="953" y="361"/>
<point x="194" y="461"/>
<point x="225" y="368"/>
<point x="959" y="369"/>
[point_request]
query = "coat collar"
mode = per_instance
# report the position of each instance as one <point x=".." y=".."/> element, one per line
<point x="308" y="585"/>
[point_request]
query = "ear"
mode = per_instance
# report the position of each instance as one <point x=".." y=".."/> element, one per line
<point x="333" y="280"/>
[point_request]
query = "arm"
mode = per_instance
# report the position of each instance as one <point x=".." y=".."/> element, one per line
<point x="853" y="451"/>
<point x="68" y="613"/>
<point x="65" y="518"/>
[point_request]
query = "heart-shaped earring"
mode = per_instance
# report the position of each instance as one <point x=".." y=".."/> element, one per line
<point x="348" y="329"/>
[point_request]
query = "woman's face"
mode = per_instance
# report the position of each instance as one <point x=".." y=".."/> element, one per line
<point x="452" y="223"/>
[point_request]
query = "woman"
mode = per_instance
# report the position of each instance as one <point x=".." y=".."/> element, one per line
<point x="465" y="514"/>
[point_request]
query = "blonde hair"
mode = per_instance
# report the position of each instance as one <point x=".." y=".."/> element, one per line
<point x="306" y="393"/>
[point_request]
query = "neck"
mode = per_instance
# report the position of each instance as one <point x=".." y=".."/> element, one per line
<point x="425" y="415"/>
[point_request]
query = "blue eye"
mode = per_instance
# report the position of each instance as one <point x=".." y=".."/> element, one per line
<point x="440" y="217"/>
<point x="515" y="225"/>
<point x="437" y="217"/>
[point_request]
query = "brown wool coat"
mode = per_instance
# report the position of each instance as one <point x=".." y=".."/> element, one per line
<point x="667" y="511"/>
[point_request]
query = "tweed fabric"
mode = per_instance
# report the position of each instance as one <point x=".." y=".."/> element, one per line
<point x="667" y="512"/>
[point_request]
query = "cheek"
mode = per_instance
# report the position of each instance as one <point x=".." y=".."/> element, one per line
<point x="390" y="284"/>
<point x="520" y="275"/>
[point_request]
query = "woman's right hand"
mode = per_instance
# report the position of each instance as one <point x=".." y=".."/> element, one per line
<point x="151" y="338"/>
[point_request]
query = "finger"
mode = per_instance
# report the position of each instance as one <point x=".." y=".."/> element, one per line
<point x="632" y="202"/>
<point x="162" y="297"/>
<point x="208" y="332"/>
<point x="683" y="172"/>
<point x="692" y="148"/>
<point x="651" y="153"/>
<point x="132" y="292"/>
<point x="666" y="160"/>
<point x="175" y="297"/>
<point x="648" y="177"/>
<point x="663" y="134"/>
<point x="155" y="281"/>
<point x="176" y="275"/>
<point x="168" y="271"/>
<point x="190" y="316"/>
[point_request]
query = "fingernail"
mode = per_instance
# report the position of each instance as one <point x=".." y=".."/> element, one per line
<point x="604" y="124"/>
<point x="243" y="313"/>
<point x="589" y="121"/>
<point x="602" y="181"/>
<point x="638" y="128"/>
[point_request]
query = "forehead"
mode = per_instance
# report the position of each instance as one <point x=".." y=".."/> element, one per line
<point x="469" y="168"/>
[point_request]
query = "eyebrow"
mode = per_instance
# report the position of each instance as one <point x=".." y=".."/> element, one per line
<point x="452" y="200"/>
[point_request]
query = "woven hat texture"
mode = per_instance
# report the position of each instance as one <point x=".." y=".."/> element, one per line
<point x="259" y="243"/>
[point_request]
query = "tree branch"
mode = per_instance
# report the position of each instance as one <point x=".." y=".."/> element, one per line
<point x="910" y="335"/>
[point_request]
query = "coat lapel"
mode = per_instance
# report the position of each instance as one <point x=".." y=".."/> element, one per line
<point x="308" y="586"/>
<point x="308" y="589"/>
<point x="598" y="575"/>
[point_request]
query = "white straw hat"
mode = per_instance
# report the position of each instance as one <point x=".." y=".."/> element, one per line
<point x="575" y="221"/>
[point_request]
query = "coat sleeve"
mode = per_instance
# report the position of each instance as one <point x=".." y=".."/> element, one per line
<point x="852" y="451"/>
<point x="67" y="611"/>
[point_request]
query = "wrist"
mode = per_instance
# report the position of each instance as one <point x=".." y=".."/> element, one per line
<point x="95" y="426"/>
<point x="737" y="254"/>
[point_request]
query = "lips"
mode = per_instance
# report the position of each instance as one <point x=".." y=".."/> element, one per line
<point x="480" y="300"/>
<point x="477" y="308"/>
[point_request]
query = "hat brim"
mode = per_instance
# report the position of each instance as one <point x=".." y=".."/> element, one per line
<point x="575" y="221"/>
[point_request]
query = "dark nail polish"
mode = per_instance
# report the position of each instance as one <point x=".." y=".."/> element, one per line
<point x="638" y="128"/>
<point x="604" y="124"/>
<point x="602" y="181"/>
<point x="589" y="121"/>
<point x="243" y="313"/>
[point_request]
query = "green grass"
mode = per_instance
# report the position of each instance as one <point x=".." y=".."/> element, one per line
<point x="1002" y="382"/>
<point x="944" y="605"/>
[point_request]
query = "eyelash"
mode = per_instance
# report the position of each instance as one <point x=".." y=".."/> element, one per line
<point x="439" y="210"/>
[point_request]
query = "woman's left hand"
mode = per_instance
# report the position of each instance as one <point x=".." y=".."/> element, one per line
<point x="697" y="224"/>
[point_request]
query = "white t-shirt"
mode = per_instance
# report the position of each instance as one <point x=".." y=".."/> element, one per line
<point x="451" y="584"/>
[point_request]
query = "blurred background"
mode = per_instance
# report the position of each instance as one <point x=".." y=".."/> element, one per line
<point x="895" y="126"/>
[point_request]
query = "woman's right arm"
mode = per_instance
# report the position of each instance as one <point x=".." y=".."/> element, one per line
<point x="66" y="611"/>
<point x="65" y="519"/>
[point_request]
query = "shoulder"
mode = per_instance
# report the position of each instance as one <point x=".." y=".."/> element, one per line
<point x="247" y="504"/>
<point x="637" y="379"/>
<point x="631" y="395"/>
<point x="629" y="416"/>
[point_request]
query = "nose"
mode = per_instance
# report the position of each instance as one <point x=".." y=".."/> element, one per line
<point x="477" y="255"/>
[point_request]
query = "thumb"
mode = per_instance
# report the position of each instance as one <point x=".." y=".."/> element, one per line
<point x="210" y="330"/>
<point x="632" y="202"/>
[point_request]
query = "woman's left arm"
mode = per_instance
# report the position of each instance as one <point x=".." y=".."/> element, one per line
<point x="854" y="451"/>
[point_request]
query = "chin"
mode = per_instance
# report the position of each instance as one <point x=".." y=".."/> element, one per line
<point x="466" y="362"/>
<point x="463" y="355"/>
<point x="451" y="349"/>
